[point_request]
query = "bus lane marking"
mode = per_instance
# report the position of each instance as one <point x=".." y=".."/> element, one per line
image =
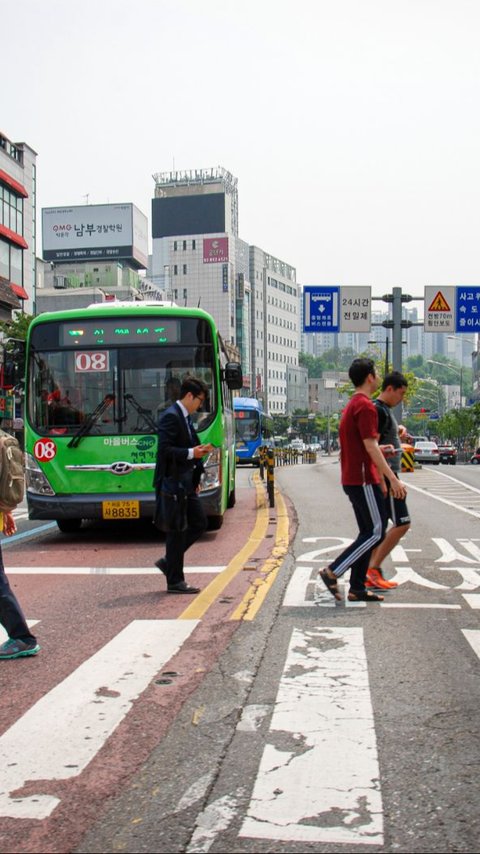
<point x="473" y="637"/>
<point x="472" y="599"/>
<point x="207" y="597"/>
<point x="256" y="593"/>
<point x="61" y="733"/>
<point x="319" y="778"/>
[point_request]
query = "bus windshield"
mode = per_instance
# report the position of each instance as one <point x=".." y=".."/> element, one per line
<point x="247" y="425"/>
<point x="113" y="390"/>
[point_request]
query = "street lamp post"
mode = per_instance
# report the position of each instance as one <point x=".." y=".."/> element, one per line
<point x="474" y="343"/>
<point x="386" y="342"/>
<point x="451" y="368"/>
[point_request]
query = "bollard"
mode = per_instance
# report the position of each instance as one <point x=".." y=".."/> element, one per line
<point x="262" y="461"/>
<point x="408" y="462"/>
<point x="270" y="477"/>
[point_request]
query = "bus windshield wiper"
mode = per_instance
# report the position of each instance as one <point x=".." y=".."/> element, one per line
<point x="91" y="420"/>
<point x="145" y="413"/>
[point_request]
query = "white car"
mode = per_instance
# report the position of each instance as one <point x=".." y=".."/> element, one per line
<point x="427" y="452"/>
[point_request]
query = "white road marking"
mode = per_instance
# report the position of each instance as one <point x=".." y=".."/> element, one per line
<point x="318" y="779"/>
<point x="4" y="636"/>
<point x="418" y="605"/>
<point x="472" y="599"/>
<point x="473" y="637"/>
<point x="406" y="573"/>
<point x="449" y="552"/>
<point x="63" y="731"/>
<point x="428" y="484"/>
<point x="213" y="820"/>
<point x="252" y="717"/>
<point x="104" y="570"/>
<point x="196" y="791"/>
<point x="296" y="592"/>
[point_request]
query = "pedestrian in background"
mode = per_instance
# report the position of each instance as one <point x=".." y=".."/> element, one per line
<point x="179" y="449"/>
<point x="20" y="641"/>
<point x="390" y="432"/>
<point x="363" y="469"/>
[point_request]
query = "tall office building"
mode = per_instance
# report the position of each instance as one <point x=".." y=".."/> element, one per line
<point x="17" y="226"/>
<point x="275" y="326"/>
<point x="198" y="258"/>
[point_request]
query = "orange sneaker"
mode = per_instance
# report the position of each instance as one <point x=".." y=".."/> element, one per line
<point x="376" y="581"/>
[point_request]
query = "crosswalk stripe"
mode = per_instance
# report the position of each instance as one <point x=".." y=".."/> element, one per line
<point x="105" y="570"/>
<point x="63" y="731"/>
<point x="319" y="777"/>
<point x="4" y="636"/>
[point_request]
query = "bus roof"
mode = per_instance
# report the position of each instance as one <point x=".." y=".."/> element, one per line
<point x="120" y="308"/>
<point x="247" y="403"/>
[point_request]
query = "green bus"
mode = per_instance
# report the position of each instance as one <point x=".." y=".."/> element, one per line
<point x="96" y="381"/>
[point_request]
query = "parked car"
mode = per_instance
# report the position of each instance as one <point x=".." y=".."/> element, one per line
<point x="448" y="454"/>
<point x="427" y="452"/>
<point x="475" y="459"/>
<point x="414" y="439"/>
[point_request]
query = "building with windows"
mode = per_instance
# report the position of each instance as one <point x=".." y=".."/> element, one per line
<point x="17" y="227"/>
<point x="297" y="388"/>
<point x="92" y="253"/>
<point x="198" y="258"/>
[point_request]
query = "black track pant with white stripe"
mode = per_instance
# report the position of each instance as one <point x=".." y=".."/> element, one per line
<point x="369" y="507"/>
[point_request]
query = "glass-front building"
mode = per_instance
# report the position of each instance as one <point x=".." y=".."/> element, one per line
<point x="17" y="226"/>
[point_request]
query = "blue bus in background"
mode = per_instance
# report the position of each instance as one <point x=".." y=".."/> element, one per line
<point x="253" y="428"/>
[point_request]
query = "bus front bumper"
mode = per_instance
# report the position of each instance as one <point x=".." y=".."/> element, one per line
<point x="87" y="506"/>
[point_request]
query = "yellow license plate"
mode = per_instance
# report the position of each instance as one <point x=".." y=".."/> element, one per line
<point x="121" y="509"/>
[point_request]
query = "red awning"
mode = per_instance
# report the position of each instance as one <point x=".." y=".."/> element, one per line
<point x="19" y="291"/>
<point x="13" y="236"/>
<point x="17" y="188"/>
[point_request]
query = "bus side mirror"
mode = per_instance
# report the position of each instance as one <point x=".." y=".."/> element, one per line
<point x="233" y="375"/>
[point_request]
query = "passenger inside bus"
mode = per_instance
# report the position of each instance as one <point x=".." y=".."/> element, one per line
<point x="61" y="411"/>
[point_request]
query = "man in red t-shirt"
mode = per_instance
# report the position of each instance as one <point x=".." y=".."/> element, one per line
<point x="363" y="471"/>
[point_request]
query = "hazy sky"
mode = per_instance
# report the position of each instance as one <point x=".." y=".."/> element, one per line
<point x="353" y="126"/>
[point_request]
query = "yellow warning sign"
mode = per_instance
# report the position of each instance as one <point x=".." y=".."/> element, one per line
<point x="439" y="303"/>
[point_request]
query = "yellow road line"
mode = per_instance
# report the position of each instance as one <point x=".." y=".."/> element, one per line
<point x="204" y="599"/>
<point x="255" y="595"/>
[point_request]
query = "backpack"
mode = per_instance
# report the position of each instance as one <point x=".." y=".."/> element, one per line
<point x="384" y="419"/>
<point x="12" y="472"/>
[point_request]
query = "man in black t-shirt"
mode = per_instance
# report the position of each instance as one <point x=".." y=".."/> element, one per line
<point x="394" y="387"/>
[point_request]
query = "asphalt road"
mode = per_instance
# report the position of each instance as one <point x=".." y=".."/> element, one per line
<point x="299" y="725"/>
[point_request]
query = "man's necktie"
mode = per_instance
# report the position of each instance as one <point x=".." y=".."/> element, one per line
<point x="190" y="428"/>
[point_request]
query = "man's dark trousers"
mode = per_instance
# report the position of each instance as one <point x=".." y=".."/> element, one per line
<point x="369" y="507"/>
<point x="177" y="543"/>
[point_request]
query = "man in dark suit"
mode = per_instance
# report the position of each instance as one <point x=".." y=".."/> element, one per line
<point x="179" y="442"/>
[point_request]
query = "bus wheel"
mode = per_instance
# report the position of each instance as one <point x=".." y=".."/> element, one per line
<point x="69" y="526"/>
<point x="231" y="499"/>
<point x="215" y="523"/>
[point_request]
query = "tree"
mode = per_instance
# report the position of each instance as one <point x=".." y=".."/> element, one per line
<point x="461" y="425"/>
<point x="17" y="327"/>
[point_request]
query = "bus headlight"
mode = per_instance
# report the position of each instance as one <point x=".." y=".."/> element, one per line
<point x="35" y="478"/>
<point x="213" y="471"/>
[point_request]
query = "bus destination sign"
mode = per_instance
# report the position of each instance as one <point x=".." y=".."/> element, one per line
<point x="119" y="331"/>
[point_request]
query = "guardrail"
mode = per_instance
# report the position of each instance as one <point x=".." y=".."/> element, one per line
<point x="270" y="457"/>
<point x="292" y="456"/>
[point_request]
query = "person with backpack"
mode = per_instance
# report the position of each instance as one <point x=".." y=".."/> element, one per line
<point x="394" y="387"/>
<point x="20" y="641"/>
